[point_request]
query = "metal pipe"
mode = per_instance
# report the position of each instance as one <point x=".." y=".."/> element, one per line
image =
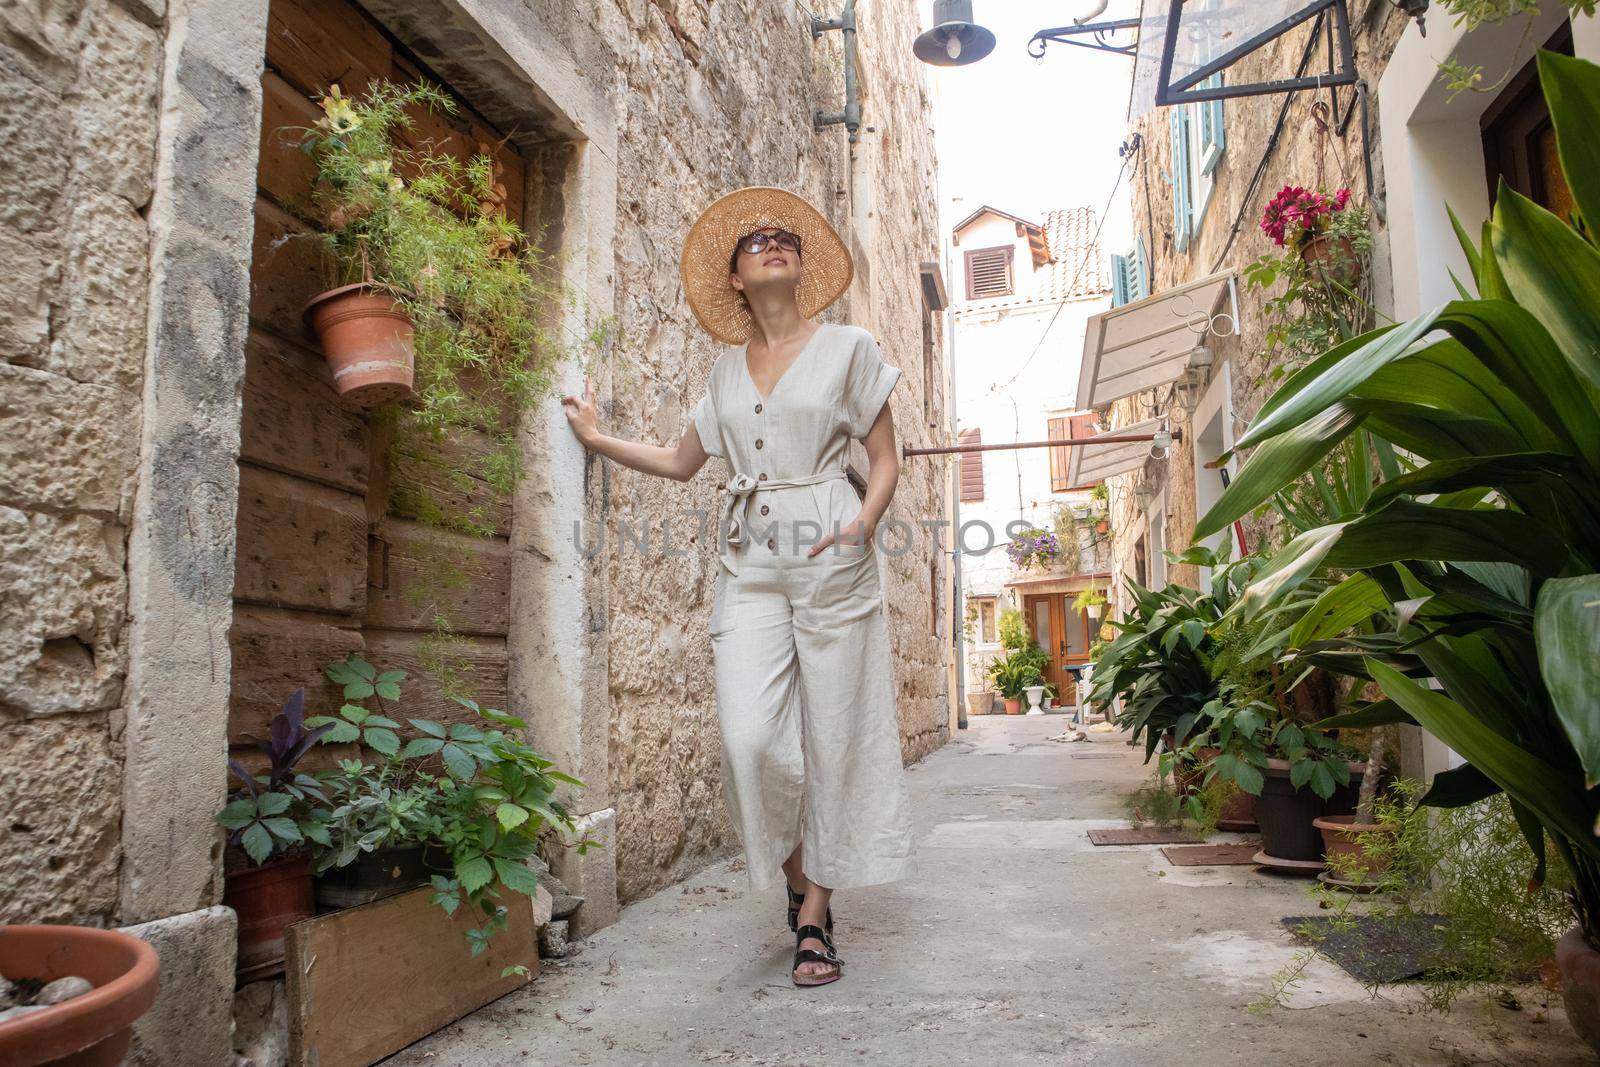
<point x="850" y="117"/>
<point x="1106" y="439"/>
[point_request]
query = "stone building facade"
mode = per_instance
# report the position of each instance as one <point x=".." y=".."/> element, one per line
<point x="1404" y="146"/>
<point x="140" y="625"/>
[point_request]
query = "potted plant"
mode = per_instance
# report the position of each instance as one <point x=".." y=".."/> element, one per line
<point x="87" y="987"/>
<point x="1486" y="548"/>
<point x="1322" y="228"/>
<point x="382" y="815"/>
<point x="1033" y="548"/>
<point x="1092" y="603"/>
<point x="272" y="819"/>
<point x="1013" y="674"/>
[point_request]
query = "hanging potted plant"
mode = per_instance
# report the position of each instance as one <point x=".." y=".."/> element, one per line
<point x="1329" y="234"/>
<point x="1092" y="603"/>
<point x="272" y="820"/>
<point x="1033" y="548"/>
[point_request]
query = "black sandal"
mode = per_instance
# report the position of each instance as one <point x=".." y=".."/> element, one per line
<point x="811" y="955"/>
<point x="795" y="900"/>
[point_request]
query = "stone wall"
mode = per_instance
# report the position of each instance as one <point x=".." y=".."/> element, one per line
<point x="1229" y="238"/>
<point x="79" y="85"/>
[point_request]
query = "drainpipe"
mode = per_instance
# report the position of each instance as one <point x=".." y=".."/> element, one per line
<point x="957" y="609"/>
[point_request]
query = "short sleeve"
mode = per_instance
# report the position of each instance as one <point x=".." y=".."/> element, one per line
<point x="707" y="426"/>
<point x="867" y="385"/>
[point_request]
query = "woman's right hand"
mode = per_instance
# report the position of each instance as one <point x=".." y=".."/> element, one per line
<point x="582" y="414"/>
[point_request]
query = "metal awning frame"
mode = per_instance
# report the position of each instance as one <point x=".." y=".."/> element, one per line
<point x="1198" y="321"/>
<point x="1183" y="90"/>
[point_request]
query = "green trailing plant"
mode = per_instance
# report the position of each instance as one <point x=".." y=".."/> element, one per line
<point x="1460" y="77"/>
<point x="431" y="230"/>
<point x="1487" y="551"/>
<point x="1088" y="598"/>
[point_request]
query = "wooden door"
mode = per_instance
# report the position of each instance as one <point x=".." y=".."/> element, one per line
<point x="1063" y="632"/>
<point x="327" y="554"/>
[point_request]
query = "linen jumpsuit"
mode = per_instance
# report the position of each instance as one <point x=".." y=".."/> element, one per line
<point x="804" y="683"/>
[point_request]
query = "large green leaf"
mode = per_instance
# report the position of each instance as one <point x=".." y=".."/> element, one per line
<point x="1556" y="797"/>
<point x="1554" y="273"/>
<point x="1572" y="89"/>
<point x="1340" y="607"/>
<point x="1513" y="475"/>
<point x="1406" y="530"/>
<point x="1458" y="787"/>
<point x="1276" y="463"/>
<point x="1285" y="571"/>
<point x="1567" y="634"/>
<point x="1378" y="713"/>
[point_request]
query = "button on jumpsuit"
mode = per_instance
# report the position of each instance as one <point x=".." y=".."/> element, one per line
<point x="804" y="680"/>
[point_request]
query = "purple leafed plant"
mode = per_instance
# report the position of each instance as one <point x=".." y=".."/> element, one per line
<point x="1033" y="546"/>
<point x="288" y="741"/>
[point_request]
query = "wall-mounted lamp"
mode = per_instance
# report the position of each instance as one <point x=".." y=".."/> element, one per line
<point x="1196" y="377"/>
<point x="955" y="40"/>
<point x="850" y="117"/>
<point x="1415" y="9"/>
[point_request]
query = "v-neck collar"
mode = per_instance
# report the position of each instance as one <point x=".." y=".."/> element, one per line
<point x="744" y="363"/>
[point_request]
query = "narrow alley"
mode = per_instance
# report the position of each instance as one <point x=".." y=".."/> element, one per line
<point x="1020" y="943"/>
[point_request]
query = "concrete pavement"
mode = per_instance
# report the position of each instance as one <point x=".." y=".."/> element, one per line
<point x="1019" y="943"/>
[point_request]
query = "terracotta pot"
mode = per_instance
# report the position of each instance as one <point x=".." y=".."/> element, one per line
<point x="1286" y="814"/>
<point x="366" y="339"/>
<point x="1339" y="838"/>
<point x="1103" y="526"/>
<point x="1333" y="259"/>
<point x="268" y="899"/>
<point x="1013" y="707"/>
<point x="92" y="1030"/>
<point x="1580" y="984"/>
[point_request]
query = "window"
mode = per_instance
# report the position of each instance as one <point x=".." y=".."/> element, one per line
<point x="971" y="465"/>
<point x="1130" y="275"/>
<point x="989" y="272"/>
<point x="988" y="622"/>
<point x="1519" y="141"/>
<point x="1198" y="142"/>
<point x="1062" y="428"/>
<point x="934" y="597"/>
<point x="929" y="377"/>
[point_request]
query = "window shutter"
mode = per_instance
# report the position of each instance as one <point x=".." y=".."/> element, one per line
<point x="1212" y="137"/>
<point x="989" y="272"/>
<point x="971" y="465"/>
<point x="1142" y="269"/>
<point x="1119" y="281"/>
<point x="1182" y="209"/>
<point x="1060" y="430"/>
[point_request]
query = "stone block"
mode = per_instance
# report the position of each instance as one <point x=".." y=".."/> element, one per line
<point x="63" y="596"/>
<point x="61" y="795"/>
<point x="65" y="445"/>
<point x="191" y="1023"/>
<point x="261" y="1024"/>
<point x="33" y="270"/>
<point x="99" y="324"/>
<point x="592" y="875"/>
<point x="115" y="99"/>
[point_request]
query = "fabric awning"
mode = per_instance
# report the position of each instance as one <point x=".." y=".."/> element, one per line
<point x="1090" y="463"/>
<point x="1145" y="344"/>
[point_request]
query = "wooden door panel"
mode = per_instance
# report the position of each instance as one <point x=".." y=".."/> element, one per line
<point x="291" y="420"/>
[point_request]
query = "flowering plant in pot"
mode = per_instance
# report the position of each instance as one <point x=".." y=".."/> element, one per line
<point x="1322" y="228"/>
<point x="1486" y="549"/>
<point x="273" y="818"/>
<point x="1033" y="547"/>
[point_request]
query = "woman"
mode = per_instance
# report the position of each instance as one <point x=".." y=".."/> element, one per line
<point x="811" y="767"/>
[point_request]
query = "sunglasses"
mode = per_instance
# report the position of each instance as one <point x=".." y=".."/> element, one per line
<point x="756" y="243"/>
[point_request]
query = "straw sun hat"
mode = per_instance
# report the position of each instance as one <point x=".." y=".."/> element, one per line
<point x="825" y="264"/>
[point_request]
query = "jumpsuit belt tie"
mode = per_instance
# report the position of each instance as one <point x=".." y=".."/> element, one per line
<point x="736" y="508"/>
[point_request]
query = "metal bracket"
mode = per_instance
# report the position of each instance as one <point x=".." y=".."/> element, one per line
<point x="850" y="117"/>
<point x="1101" y="31"/>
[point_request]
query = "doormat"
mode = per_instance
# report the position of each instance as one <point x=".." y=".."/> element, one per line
<point x="1092" y="754"/>
<point x="1141" y="835"/>
<point x="1211" y="855"/>
<point x="1393" y="949"/>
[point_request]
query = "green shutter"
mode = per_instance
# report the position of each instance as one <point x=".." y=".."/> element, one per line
<point x="1119" y="281"/>
<point x="1213" y="138"/>
<point x="1141" y="269"/>
<point x="1182" y="187"/>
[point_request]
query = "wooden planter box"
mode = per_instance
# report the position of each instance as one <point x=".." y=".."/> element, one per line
<point x="365" y="982"/>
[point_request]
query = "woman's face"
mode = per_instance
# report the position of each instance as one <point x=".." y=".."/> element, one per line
<point x="770" y="267"/>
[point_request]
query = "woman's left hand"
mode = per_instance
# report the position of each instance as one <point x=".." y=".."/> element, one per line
<point x="855" y="532"/>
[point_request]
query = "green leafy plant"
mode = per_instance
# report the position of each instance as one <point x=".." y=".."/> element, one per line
<point x="1088" y="598"/>
<point x="431" y="230"/>
<point x="1487" y="551"/>
<point x="277" y="812"/>
<point x="1016" y="671"/>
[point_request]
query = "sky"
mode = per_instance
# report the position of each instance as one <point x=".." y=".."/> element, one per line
<point x="1029" y="135"/>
